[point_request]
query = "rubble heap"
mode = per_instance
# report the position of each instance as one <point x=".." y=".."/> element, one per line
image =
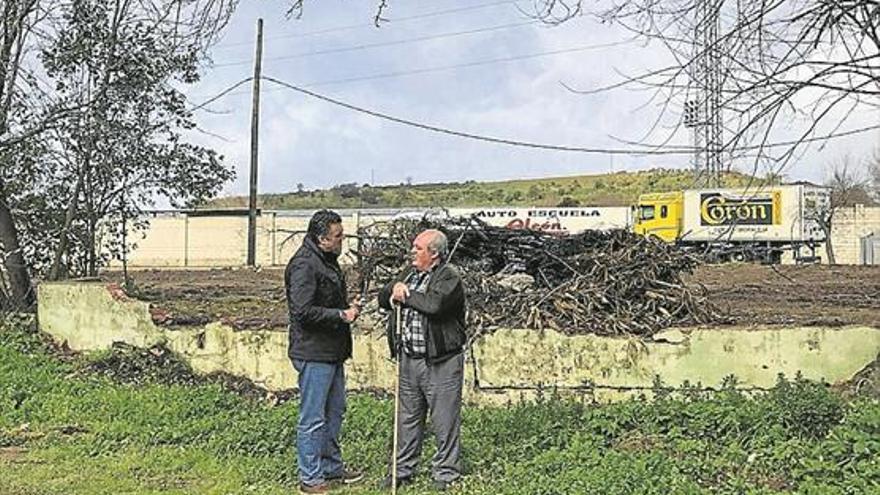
<point x="602" y="282"/>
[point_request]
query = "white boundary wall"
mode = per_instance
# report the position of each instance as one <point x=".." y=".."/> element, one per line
<point x="177" y="239"/>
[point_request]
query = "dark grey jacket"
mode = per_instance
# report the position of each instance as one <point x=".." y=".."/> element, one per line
<point x="316" y="295"/>
<point x="442" y="304"/>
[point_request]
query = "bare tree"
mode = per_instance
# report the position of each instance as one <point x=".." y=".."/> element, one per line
<point x="849" y="187"/>
<point x="783" y="64"/>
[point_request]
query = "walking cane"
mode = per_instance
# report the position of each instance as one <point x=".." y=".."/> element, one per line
<point x="396" y="398"/>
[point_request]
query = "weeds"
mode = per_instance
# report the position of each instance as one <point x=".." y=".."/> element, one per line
<point x="101" y="435"/>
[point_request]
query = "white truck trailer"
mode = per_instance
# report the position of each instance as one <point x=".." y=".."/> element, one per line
<point x="757" y="223"/>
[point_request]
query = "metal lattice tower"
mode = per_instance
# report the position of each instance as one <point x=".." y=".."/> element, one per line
<point x="703" y="111"/>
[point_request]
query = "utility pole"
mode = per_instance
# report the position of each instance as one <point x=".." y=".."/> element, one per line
<point x="702" y="113"/>
<point x="255" y="134"/>
<point x="713" y="94"/>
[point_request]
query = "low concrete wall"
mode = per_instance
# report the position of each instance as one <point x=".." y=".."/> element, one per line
<point x="508" y="364"/>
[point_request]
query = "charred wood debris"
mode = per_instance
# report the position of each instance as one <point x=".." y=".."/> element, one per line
<point x="601" y="282"/>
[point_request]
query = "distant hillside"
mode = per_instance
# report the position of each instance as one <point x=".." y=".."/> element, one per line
<point x="621" y="188"/>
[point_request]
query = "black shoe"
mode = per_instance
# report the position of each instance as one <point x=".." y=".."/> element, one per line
<point x="401" y="482"/>
<point x="346" y="477"/>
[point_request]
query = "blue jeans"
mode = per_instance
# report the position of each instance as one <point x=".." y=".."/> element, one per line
<point x="322" y="404"/>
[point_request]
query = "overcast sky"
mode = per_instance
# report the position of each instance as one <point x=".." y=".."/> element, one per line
<point x="474" y="66"/>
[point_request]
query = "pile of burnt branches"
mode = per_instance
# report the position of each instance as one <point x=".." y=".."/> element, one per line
<point x="602" y="282"/>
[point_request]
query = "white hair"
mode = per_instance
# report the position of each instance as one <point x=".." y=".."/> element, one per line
<point x="438" y="243"/>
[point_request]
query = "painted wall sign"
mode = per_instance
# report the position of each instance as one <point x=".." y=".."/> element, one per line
<point x="552" y="220"/>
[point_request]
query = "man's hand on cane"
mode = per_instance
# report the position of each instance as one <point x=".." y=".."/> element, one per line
<point x="399" y="293"/>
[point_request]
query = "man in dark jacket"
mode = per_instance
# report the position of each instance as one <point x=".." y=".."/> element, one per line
<point x="320" y="342"/>
<point x="431" y="358"/>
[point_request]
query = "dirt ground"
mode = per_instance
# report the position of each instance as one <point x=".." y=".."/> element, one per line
<point x="809" y="295"/>
<point x="241" y="297"/>
<point x="748" y="294"/>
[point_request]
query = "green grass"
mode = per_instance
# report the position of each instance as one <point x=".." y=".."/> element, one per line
<point x="618" y="189"/>
<point x="86" y="434"/>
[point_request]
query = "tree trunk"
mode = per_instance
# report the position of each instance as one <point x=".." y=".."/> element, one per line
<point x="55" y="272"/>
<point x="91" y="222"/>
<point x="70" y="214"/>
<point x="93" y="258"/>
<point x="829" y="248"/>
<point x="20" y="288"/>
<point x="4" y="291"/>
<point x="829" y="252"/>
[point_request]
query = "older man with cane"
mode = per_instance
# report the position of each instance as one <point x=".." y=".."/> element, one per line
<point x="431" y="299"/>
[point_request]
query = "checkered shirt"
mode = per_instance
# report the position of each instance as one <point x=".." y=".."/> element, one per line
<point x="414" y="334"/>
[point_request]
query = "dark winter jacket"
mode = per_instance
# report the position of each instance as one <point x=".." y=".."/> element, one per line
<point x="316" y="296"/>
<point x="443" y="306"/>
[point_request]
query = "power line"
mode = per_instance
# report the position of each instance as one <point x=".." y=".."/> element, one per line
<point x="364" y="25"/>
<point x="220" y="94"/>
<point x="427" y="70"/>
<point x="478" y="137"/>
<point x="385" y="43"/>
<point x="478" y="63"/>
<point x="780" y="144"/>
<point x="677" y="150"/>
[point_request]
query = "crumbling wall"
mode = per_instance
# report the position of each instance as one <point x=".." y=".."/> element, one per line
<point x="508" y="364"/>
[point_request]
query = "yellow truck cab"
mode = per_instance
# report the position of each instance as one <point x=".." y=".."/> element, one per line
<point x="659" y="215"/>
